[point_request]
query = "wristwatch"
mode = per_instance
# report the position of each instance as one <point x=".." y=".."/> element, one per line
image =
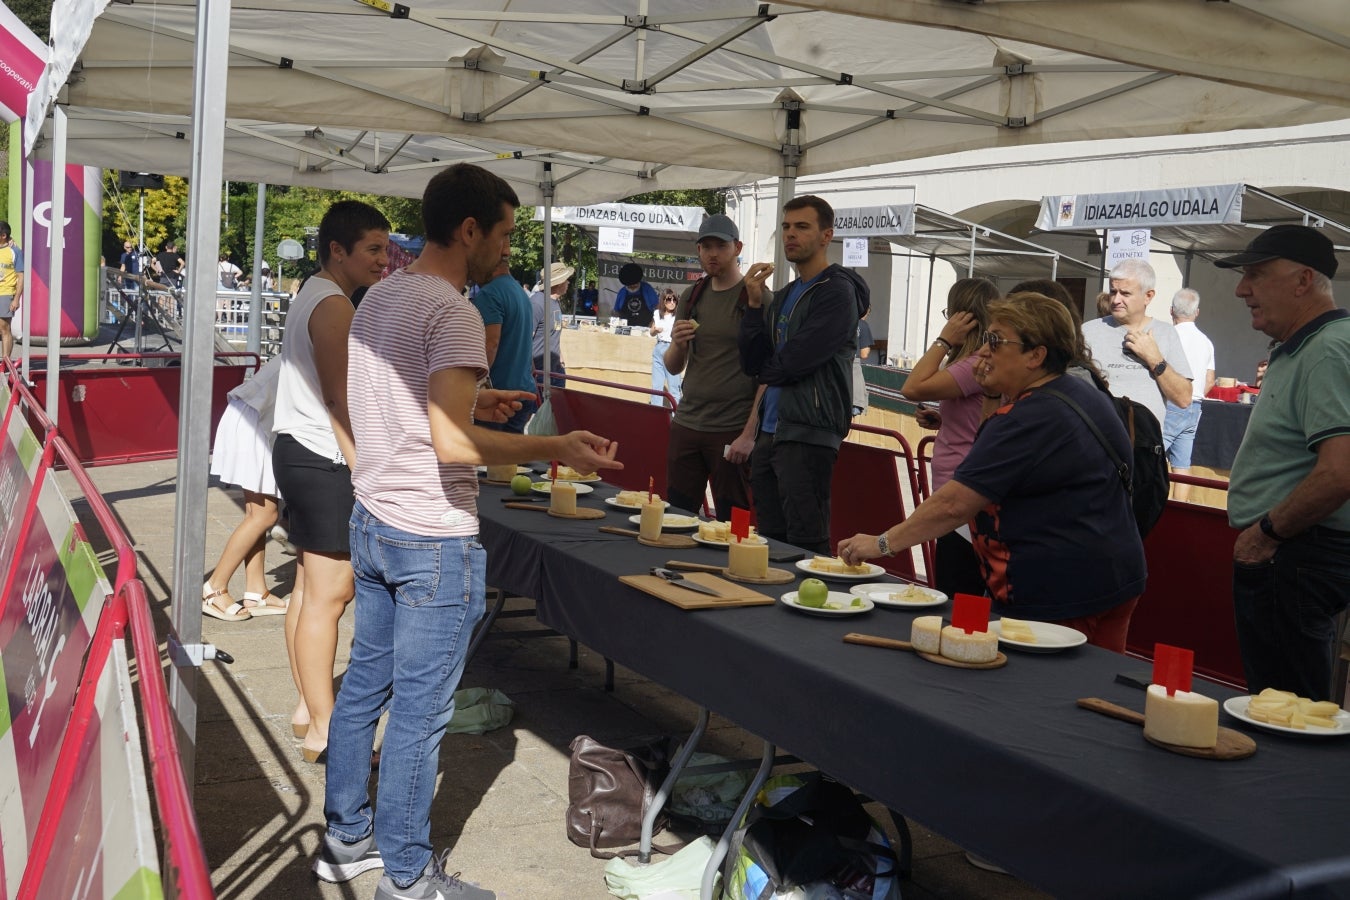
<point x="1268" y="529"/>
<point x="884" y="545"/>
<point x="1157" y="370"/>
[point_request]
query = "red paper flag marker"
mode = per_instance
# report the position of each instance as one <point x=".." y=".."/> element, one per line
<point x="1172" y="667"/>
<point x="651" y="488"/>
<point x="970" y="613"/>
<point x="553" y="471"/>
<point x="740" y="523"/>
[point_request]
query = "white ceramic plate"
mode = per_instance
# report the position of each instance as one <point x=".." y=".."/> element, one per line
<point x="702" y="540"/>
<point x="837" y="604"/>
<point x="872" y="572"/>
<point x="546" y="487"/>
<point x="1049" y="638"/>
<point x="1237" y="708"/>
<point x="880" y="594"/>
<point x="614" y="501"/>
<point x="670" y="522"/>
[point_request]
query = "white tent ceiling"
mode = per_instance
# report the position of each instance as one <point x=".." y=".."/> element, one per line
<point x="714" y="84"/>
<point x="1294" y="47"/>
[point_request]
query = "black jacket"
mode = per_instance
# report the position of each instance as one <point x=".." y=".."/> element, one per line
<point x="815" y="367"/>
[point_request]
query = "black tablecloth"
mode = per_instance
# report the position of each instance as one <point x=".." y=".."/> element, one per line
<point x="1000" y="761"/>
<point x="1219" y="433"/>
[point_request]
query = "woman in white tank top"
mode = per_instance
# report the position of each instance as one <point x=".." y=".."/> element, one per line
<point x="314" y="450"/>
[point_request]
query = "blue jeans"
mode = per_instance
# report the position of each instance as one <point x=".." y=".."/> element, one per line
<point x="1178" y="432"/>
<point x="1286" y="611"/>
<point x="662" y="380"/>
<point x="417" y="602"/>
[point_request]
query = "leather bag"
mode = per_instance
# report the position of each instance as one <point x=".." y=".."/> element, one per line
<point x="609" y="791"/>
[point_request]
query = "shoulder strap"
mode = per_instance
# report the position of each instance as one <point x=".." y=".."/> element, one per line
<point x="1122" y="468"/>
<point x="694" y="293"/>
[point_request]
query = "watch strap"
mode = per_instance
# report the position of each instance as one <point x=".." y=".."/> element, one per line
<point x="1268" y="529"/>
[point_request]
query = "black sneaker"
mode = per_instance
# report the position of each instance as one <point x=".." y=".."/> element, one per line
<point x="433" y="885"/>
<point x="338" y="862"/>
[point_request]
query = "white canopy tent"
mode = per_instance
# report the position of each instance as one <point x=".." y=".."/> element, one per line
<point x="755" y="88"/>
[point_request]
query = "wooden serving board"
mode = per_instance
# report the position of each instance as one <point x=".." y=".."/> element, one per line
<point x="583" y="512"/>
<point x="669" y="541"/>
<point x="872" y="640"/>
<point x="1231" y="745"/>
<point x="775" y="576"/>
<point x="732" y="594"/>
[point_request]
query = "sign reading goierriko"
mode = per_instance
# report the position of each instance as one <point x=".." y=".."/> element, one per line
<point x="1215" y="204"/>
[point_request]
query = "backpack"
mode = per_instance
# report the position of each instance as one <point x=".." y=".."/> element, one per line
<point x="1145" y="477"/>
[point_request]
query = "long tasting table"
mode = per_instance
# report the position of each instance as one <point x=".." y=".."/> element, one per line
<point x="1000" y="761"/>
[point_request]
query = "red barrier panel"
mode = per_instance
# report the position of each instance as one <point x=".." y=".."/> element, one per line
<point x="1189" y="598"/>
<point x="127" y="413"/>
<point x="642" y="430"/>
<point x="867" y="496"/>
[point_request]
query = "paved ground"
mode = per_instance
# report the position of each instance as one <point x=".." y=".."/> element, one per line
<point x="500" y="803"/>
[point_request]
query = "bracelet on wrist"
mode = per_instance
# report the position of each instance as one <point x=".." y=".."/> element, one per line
<point x="1268" y="529"/>
<point x="943" y="341"/>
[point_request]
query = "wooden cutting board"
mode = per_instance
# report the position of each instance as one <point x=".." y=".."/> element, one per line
<point x="669" y="541"/>
<point x="872" y="640"/>
<point x="775" y="576"/>
<point x="1232" y="744"/>
<point x="732" y="594"/>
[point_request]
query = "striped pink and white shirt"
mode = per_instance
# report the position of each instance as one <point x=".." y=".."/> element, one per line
<point x="407" y="327"/>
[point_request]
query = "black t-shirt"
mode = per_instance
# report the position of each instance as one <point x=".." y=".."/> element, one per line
<point x="168" y="264"/>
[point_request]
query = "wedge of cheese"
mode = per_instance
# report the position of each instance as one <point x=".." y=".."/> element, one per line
<point x="1016" y="630"/>
<point x="836" y="566"/>
<point x="926" y="634"/>
<point x="1186" y="719"/>
<point x="748" y="560"/>
<point x="975" y="647"/>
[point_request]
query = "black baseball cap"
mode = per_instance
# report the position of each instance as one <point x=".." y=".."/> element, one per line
<point x="1297" y="243"/>
<point x="720" y="227"/>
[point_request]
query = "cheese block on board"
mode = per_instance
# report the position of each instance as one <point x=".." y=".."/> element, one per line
<point x="976" y="647"/>
<point x="1186" y="719"/>
<point x="636" y="498"/>
<point x="748" y="560"/>
<point x="926" y="634"/>
<point x="836" y="566"/>
<point x="563" y="498"/>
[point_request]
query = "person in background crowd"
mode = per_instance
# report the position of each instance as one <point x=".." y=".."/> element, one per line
<point x="712" y="433"/>
<point x="661" y="327"/>
<point x="1260" y="373"/>
<point x="946" y="373"/>
<point x="418" y="358"/>
<point x="800" y="345"/>
<point x="313" y="453"/>
<point x="1103" y="304"/>
<point x="229" y="273"/>
<point x="588" y="300"/>
<point x="171" y="264"/>
<point x="866" y="342"/>
<point x="11" y="288"/>
<point x="265" y="278"/>
<point x="545" y="303"/>
<point x="1053" y="525"/>
<point x="1142" y="357"/>
<point x="1289" y="491"/>
<point x="1180" y="424"/>
<point x="637" y="299"/>
<point x="508" y="324"/>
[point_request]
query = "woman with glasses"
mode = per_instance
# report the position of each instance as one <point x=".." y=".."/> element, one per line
<point x="662" y="324"/>
<point x="1051" y="519"/>
<point x="945" y="373"/>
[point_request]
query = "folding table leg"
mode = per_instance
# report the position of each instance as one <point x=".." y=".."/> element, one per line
<point x="724" y="843"/>
<point x="609" y="675"/>
<point x="485" y="625"/>
<point x="905" y="852"/>
<point x="572" y="653"/>
<point x="659" y="800"/>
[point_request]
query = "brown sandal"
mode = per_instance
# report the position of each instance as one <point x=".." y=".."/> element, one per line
<point x="235" y="612"/>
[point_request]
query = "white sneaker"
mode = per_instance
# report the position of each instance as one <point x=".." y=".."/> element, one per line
<point x="433" y="885"/>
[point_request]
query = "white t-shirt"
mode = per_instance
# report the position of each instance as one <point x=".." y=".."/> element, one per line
<point x="664" y="325"/>
<point x="1126" y="372"/>
<point x="300" y="410"/>
<point x="409" y="326"/>
<point x="1199" y="354"/>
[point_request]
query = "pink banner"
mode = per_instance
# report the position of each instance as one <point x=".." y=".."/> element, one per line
<point x="22" y="59"/>
<point x="78" y="272"/>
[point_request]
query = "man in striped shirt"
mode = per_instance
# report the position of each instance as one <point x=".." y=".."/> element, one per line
<point x="416" y="360"/>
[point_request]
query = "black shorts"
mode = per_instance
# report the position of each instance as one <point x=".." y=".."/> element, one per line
<point x="318" y="494"/>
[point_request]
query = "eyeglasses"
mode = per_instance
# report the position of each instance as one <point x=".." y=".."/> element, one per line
<point x="994" y="341"/>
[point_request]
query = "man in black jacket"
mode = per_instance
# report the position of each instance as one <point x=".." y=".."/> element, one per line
<point x="801" y="345"/>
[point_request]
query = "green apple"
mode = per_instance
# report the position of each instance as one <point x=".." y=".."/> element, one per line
<point x="521" y="485"/>
<point x="812" y="593"/>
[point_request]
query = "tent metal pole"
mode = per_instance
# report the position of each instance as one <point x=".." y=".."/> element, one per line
<point x="25" y="238"/>
<point x="186" y="651"/>
<point x="1186" y="276"/>
<point x="787" y="185"/>
<point x="970" y="263"/>
<point x="1054" y="267"/>
<point x="57" y="231"/>
<point x="547" y="281"/>
<point x="927" y="307"/>
<point x="255" y="285"/>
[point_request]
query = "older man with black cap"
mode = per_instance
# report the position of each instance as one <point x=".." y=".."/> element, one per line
<point x="1290" y="485"/>
<point x="713" y="431"/>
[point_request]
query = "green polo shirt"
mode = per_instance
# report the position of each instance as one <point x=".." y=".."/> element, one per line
<point x="1304" y="399"/>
